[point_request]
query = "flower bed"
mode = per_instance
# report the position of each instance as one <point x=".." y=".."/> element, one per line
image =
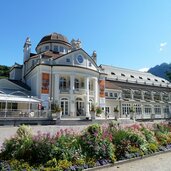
<point x="95" y="146"/>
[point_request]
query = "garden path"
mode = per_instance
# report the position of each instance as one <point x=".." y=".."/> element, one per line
<point x="159" y="162"/>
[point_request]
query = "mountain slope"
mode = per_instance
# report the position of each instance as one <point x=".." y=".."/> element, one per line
<point x="161" y="70"/>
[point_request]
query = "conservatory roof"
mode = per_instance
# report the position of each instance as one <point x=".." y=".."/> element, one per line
<point x="12" y="98"/>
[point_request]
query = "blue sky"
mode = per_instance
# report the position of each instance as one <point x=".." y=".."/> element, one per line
<point x="125" y="33"/>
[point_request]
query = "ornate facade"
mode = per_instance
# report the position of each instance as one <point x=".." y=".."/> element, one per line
<point x="63" y="73"/>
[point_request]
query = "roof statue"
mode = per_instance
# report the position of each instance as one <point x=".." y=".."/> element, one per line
<point x="94" y="56"/>
<point x="76" y="44"/>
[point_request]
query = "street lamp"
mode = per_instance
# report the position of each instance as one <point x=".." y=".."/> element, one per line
<point x="6" y="108"/>
<point x="50" y="107"/>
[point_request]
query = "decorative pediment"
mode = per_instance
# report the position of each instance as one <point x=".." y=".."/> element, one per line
<point x="77" y="58"/>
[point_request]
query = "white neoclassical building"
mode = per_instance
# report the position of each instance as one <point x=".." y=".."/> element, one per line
<point x="61" y="72"/>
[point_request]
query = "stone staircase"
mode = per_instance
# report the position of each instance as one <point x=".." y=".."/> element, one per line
<point x="89" y="121"/>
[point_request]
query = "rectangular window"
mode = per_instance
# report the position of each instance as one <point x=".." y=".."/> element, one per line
<point x="126" y="109"/>
<point x="14" y="106"/>
<point x="166" y="109"/>
<point x="89" y="64"/>
<point x="56" y="48"/>
<point x="138" y="109"/>
<point x="107" y="110"/>
<point x="9" y="105"/>
<point x="2" y="105"/>
<point x="106" y="94"/>
<point x="46" y="47"/>
<point x="39" y="51"/>
<point x="157" y="109"/>
<point x="68" y="60"/>
<point x="111" y="94"/>
<point x="115" y="95"/>
<point x="147" y="109"/>
<point x="61" y="49"/>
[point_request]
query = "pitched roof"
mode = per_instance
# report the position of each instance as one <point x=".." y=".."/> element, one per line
<point x="133" y="76"/>
<point x="21" y="84"/>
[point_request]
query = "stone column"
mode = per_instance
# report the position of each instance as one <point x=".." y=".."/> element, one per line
<point x="142" y="94"/>
<point x="56" y="88"/>
<point x="96" y="88"/>
<point x="132" y="94"/>
<point x="161" y="96"/>
<point x="152" y="95"/>
<point x="142" y="110"/>
<point x="72" y="102"/>
<point x="153" y="111"/>
<point x="169" y="115"/>
<point x="39" y="82"/>
<point x="87" y="111"/>
<point x="169" y="97"/>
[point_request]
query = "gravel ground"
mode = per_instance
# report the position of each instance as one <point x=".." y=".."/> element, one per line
<point x="159" y="162"/>
<point x="7" y="132"/>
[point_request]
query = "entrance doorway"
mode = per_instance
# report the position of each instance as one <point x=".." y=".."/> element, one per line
<point x="80" y="107"/>
<point x="64" y="106"/>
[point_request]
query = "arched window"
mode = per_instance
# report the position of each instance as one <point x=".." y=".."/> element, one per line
<point x="91" y="105"/>
<point x="76" y="83"/>
<point x="62" y="84"/>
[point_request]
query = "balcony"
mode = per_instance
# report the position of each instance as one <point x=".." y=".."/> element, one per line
<point x="79" y="91"/>
<point x="64" y="90"/>
<point x="91" y="93"/>
<point x="147" y="96"/>
<point x="126" y="96"/>
<point x="137" y="95"/>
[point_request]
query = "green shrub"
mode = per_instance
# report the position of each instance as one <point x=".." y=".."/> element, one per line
<point x="20" y="165"/>
<point x="152" y="147"/>
<point x="124" y="140"/>
<point x="41" y="149"/>
<point x="94" y="146"/>
<point x="162" y="127"/>
<point x="64" y="164"/>
<point x="24" y="132"/>
<point x="161" y="138"/>
<point x="133" y="149"/>
<point x="91" y="162"/>
<point x="52" y="163"/>
<point x="149" y="135"/>
<point x="18" y="148"/>
<point x="80" y="162"/>
<point x="67" y="147"/>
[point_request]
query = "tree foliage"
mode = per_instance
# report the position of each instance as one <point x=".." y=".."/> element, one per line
<point x="4" y="71"/>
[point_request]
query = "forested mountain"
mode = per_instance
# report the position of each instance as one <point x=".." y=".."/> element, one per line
<point x="4" y="71"/>
<point x="161" y="70"/>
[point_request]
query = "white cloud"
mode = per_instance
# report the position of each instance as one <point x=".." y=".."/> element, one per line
<point x="162" y="46"/>
<point x="143" y="69"/>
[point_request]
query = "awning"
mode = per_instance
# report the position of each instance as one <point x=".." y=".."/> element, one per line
<point x="10" y="98"/>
